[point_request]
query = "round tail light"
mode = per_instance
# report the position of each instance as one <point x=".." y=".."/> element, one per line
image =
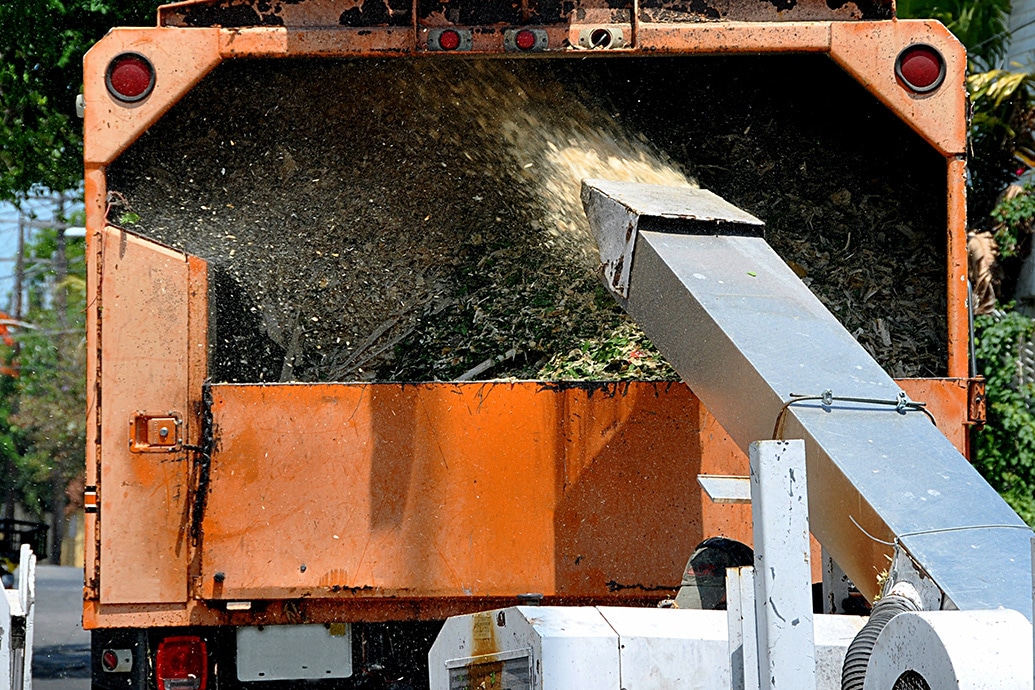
<point x="921" y="68"/>
<point x="449" y="40"/>
<point x="130" y="77"/>
<point x="525" y="39"/>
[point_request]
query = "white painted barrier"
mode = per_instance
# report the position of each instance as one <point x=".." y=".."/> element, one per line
<point x="17" y="611"/>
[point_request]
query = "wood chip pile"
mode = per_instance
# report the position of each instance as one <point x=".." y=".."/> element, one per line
<point x="419" y="220"/>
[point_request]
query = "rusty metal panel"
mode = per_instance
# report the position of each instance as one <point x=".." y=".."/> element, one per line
<point x="715" y="37"/>
<point x="946" y="400"/>
<point x="308" y="14"/>
<point x="291" y="13"/>
<point x="764" y="10"/>
<point x="977" y="412"/>
<point x="457" y="490"/>
<point x="344" y="42"/>
<point x="707" y="443"/>
<point x="143" y="496"/>
<point x="325" y="13"/>
<point x="95" y="202"/>
<point x="957" y="292"/>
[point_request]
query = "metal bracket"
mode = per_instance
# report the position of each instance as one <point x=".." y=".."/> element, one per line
<point x="725" y="489"/>
<point x="976" y="410"/>
<point x="155" y="432"/>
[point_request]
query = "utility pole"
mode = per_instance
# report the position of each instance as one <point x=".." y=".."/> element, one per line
<point x="59" y="303"/>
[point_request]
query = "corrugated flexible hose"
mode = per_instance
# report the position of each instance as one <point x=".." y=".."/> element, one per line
<point x="853" y="673"/>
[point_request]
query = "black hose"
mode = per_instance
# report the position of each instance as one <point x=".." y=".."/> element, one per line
<point x="853" y="673"/>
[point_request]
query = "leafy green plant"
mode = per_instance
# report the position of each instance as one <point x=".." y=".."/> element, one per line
<point x="1014" y="219"/>
<point x="1006" y="446"/>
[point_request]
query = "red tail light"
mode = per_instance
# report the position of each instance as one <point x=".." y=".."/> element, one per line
<point x="525" y="40"/>
<point x="130" y="77"/>
<point x="449" y="40"/>
<point x="181" y="664"/>
<point x="921" y="68"/>
<point x="109" y="660"/>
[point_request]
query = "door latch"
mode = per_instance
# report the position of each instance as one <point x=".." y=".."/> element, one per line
<point x="160" y="432"/>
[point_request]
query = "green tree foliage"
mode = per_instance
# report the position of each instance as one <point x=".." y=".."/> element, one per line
<point x="51" y="385"/>
<point x="43" y="392"/>
<point x="42" y="43"/>
<point x="1014" y="220"/>
<point x="19" y="480"/>
<point x="1006" y="446"/>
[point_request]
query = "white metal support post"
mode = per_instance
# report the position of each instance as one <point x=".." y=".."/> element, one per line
<point x="16" y="626"/>
<point x="6" y="652"/>
<point x="783" y="575"/>
<point x="743" y="628"/>
<point x="836" y="586"/>
<point x="27" y="599"/>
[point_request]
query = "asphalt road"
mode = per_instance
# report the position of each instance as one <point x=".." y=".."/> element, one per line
<point x="61" y="648"/>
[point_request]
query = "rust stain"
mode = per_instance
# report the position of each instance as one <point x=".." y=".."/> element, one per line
<point x="484" y="675"/>
<point x="337" y="579"/>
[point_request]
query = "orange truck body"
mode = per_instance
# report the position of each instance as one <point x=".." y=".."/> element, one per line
<point x="348" y="502"/>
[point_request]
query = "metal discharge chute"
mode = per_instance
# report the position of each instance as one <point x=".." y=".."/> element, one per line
<point x="749" y="338"/>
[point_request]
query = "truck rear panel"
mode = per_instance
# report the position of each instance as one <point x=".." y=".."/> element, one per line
<point x="298" y="482"/>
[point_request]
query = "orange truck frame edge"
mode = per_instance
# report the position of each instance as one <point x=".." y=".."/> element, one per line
<point x="191" y="537"/>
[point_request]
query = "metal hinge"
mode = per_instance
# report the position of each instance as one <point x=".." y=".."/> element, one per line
<point x="976" y="413"/>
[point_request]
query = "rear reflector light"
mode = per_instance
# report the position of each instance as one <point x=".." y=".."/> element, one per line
<point x="450" y="39"/>
<point x="117" y="660"/>
<point x="921" y="68"/>
<point x="181" y="664"/>
<point x="525" y="39"/>
<point x="130" y="77"/>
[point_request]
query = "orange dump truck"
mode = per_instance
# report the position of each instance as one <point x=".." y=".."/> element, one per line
<point x="238" y="510"/>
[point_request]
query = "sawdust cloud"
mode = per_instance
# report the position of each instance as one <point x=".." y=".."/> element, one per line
<point x="554" y="137"/>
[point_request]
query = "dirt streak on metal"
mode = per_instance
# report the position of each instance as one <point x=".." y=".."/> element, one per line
<point x="483" y="674"/>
